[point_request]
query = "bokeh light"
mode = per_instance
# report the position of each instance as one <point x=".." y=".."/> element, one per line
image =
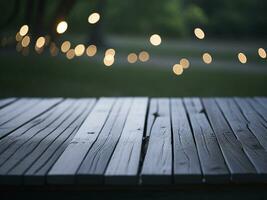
<point x="65" y="46"/>
<point x="199" y="33"/>
<point x="143" y="56"/>
<point x="25" y="41"/>
<point x="79" y="50"/>
<point x="110" y="52"/>
<point x="262" y="52"/>
<point x="24" y="30"/>
<point x="62" y="27"/>
<point x="70" y="54"/>
<point x="207" y="58"/>
<point x="94" y="18"/>
<point x="177" y="69"/>
<point x="18" y="37"/>
<point x="40" y="42"/>
<point x="242" y="58"/>
<point x="155" y="39"/>
<point x="185" y="63"/>
<point x="91" y="50"/>
<point x="108" y="60"/>
<point x="132" y="58"/>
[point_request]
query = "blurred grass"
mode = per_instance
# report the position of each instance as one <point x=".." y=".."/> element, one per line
<point x="51" y="77"/>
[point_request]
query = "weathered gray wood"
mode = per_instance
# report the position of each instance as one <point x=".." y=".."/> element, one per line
<point x="6" y="102"/>
<point x="262" y="101"/>
<point x="212" y="162"/>
<point x="21" y="154"/>
<point x="255" y="123"/>
<point x="95" y="163"/>
<point x="187" y="167"/>
<point x="69" y="162"/>
<point x="240" y="167"/>
<point x="250" y="144"/>
<point x="46" y="157"/>
<point x="124" y="163"/>
<point x="259" y="108"/>
<point x="157" y="165"/>
<point x="23" y="111"/>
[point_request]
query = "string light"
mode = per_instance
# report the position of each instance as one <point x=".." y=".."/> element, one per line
<point x="70" y="54"/>
<point x="177" y="69"/>
<point x="155" y="39"/>
<point x="199" y="33"/>
<point x="91" y="50"/>
<point x="79" y="50"/>
<point x="94" y="18"/>
<point x="207" y="58"/>
<point x="108" y="60"/>
<point x="185" y="63"/>
<point x="143" y="56"/>
<point x="65" y="46"/>
<point x="18" y="37"/>
<point x="132" y="58"/>
<point x="262" y="53"/>
<point x="242" y="58"/>
<point x="24" y="30"/>
<point x="40" y="42"/>
<point x="25" y="41"/>
<point x="110" y="52"/>
<point x="62" y="27"/>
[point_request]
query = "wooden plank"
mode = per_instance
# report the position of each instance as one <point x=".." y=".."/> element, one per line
<point x="6" y="102"/>
<point x="260" y="109"/>
<point x="212" y="162"/>
<point x="187" y="167"/>
<point x="21" y="112"/>
<point x="124" y="163"/>
<point x="240" y="167"/>
<point x="262" y="101"/>
<point x="45" y="158"/>
<point x="250" y="144"/>
<point x="68" y="163"/>
<point x="255" y="123"/>
<point x="18" y="157"/>
<point x="157" y="166"/>
<point x="95" y="162"/>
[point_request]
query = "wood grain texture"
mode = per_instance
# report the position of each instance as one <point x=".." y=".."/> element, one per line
<point x="262" y="101"/>
<point x="6" y="102"/>
<point x="240" y="167"/>
<point x="255" y="122"/>
<point x="68" y="163"/>
<point x="23" y="111"/>
<point x="250" y="144"/>
<point x="187" y="167"/>
<point x="124" y="163"/>
<point x="212" y="161"/>
<point x="157" y="166"/>
<point x="95" y="162"/>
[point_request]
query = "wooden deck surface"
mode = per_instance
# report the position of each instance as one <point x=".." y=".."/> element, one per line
<point x="133" y="141"/>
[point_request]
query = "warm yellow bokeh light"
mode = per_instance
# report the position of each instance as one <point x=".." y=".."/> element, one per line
<point x="185" y="63"/>
<point x="25" y="41"/>
<point x="62" y="27"/>
<point x="132" y="58"/>
<point x="94" y="18"/>
<point x="262" y="53"/>
<point x="110" y="52"/>
<point x="65" y="46"/>
<point x="155" y="39"/>
<point x="177" y="69"/>
<point x="207" y="58"/>
<point x="108" y="60"/>
<point x="79" y="50"/>
<point x="199" y="33"/>
<point x="242" y="58"/>
<point x="38" y="50"/>
<point x="24" y="30"/>
<point x="70" y="54"/>
<point x="143" y="56"/>
<point x="18" y="37"/>
<point x="91" y="50"/>
<point x="40" y="42"/>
